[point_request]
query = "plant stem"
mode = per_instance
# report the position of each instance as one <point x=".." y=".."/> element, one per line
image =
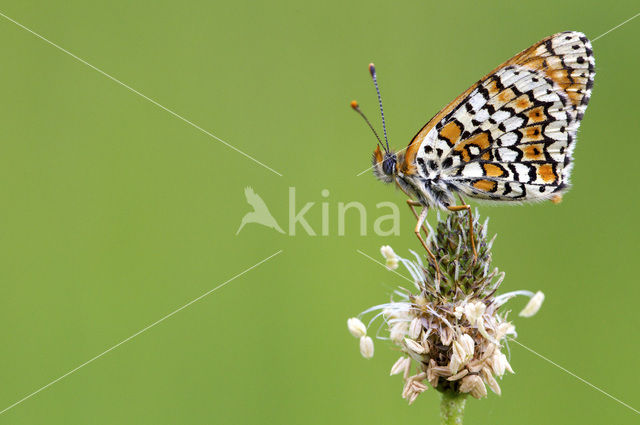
<point x="452" y="408"/>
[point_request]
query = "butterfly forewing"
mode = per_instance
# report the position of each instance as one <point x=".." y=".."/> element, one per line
<point x="510" y="136"/>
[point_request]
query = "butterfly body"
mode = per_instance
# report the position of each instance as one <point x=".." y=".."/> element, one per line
<point x="508" y="138"/>
<point x="430" y="191"/>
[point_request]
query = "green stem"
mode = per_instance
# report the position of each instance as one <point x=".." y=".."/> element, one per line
<point x="452" y="408"/>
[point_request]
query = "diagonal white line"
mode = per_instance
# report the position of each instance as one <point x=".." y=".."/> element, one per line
<point x="370" y="168"/>
<point x="616" y="27"/>
<point x="383" y="265"/>
<point x="197" y="127"/>
<point x="138" y="333"/>
<point x="575" y="376"/>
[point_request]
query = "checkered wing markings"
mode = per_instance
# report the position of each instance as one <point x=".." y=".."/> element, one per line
<point x="512" y="135"/>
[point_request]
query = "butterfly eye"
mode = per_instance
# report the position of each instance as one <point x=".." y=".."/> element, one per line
<point x="389" y="164"/>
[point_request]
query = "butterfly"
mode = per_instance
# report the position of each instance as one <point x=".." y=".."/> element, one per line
<point x="508" y="138"/>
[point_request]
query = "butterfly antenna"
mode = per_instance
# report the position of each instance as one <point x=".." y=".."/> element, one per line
<point x="356" y="107"/>
<point x="372" y="71"/>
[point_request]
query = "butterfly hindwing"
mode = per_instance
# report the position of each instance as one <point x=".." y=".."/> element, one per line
<point x="510" y="136"/>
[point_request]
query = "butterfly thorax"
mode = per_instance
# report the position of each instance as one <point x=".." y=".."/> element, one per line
<point x="432" y="191"/>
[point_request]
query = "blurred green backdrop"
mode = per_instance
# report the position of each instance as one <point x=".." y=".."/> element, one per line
<point x="115" y="213"/>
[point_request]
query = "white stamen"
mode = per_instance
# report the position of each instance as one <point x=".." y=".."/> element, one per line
<point x="400" y="366"/>
<point x="455" y="364"/>
<point x="356" y="327"/>
<point x="474" y="311"/>
<point x="366" y="347"/>
<point x="467" y="343"/>
<point x="504" y="329"/>
<point x="500" y="364"/>
<point x="533" y="305"/>
<point x="473" y="384"/>
<point x="390" y="256"/>
<point x="491" y="381"/>
<point x="414" y="346"/>
<point x="398" y="331"/>
<point x="415" y="328"/>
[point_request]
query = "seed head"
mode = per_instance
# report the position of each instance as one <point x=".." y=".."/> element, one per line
<point x="451" y="327"/>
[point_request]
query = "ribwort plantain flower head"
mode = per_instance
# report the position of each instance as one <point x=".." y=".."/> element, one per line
<point x="450" y="327"/>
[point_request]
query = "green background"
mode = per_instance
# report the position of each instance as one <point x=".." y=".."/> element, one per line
<point x="115" y="213"/>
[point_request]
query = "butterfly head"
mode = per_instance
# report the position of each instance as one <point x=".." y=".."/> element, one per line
<point x="384" y="165"/>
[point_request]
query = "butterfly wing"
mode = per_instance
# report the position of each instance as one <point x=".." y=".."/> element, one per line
<point x="510" y="136"/>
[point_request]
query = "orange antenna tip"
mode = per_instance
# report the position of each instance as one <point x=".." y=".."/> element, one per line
<point x="354" y="104"/>
<point x="372" y="68"/>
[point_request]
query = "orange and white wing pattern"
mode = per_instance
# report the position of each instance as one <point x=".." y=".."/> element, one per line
<point x="510" y="136"/>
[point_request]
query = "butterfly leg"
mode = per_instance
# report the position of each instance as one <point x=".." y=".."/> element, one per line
<point x="421" y="218"/>
<point x="467" y="207"/>
<point x="411" y="203"/>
